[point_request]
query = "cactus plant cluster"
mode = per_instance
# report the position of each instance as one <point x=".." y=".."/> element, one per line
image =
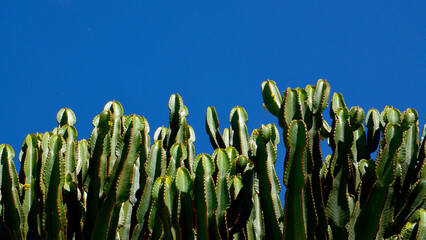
<point x="121" y="184"/>
<point x="349" y="195"/>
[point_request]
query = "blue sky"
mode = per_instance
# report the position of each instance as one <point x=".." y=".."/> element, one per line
<point x="82" y="54"/>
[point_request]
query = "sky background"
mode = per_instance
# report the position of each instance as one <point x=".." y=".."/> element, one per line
<point x="82" y="54"/>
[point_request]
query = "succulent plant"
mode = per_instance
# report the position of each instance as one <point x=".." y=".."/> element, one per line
<point x="118" y="184"/>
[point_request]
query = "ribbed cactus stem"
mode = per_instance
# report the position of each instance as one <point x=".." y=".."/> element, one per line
<point x="12" y="212"/>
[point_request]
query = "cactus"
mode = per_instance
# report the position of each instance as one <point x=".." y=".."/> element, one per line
<point x="264" y="157"/>
<point x="29" y="175"/>
<point x="13" y="218"/>
<point x="52" y="180"/>
<point x="120" y="185"/>
<point x="348" y="194"/>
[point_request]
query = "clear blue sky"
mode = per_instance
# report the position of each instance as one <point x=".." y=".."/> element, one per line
<point x="82" y="54"/>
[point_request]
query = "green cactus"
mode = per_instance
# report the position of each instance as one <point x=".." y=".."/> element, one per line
<point x="183" y="212"/>
<point x="29" y="175"/>
<point x="264" y="157"/>
<point x="13" y="218"/>
<point x="223" y="198"/>
<point x="120" y="185"/>
<point x="353" y="196"/>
